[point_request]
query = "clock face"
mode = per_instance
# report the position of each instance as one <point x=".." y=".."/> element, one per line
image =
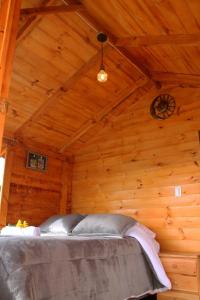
<point x="162" y="107"/>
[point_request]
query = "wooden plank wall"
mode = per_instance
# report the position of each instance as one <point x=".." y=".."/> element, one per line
<point x="34" y="196"/>
<point x="134" y="164"/>
<point x="9" y="17"/>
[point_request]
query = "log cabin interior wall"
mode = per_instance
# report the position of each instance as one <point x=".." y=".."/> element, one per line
<point x="34" y="196"/>
<point x="134" y="164"/>
<point x="124" y="161"/>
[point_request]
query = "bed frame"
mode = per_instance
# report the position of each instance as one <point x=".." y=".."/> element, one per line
<point x="150" y="297"/>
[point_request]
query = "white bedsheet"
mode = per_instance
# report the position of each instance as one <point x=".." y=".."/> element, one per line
<point x="17" y="231"/>
<point x="151" y="249"/>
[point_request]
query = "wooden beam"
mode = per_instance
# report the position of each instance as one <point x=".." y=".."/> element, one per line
<point x="3" y="112"/>
<point x="62" y="90"/>
<point x="29" y="24"/>
<point x="46" y="10"/>
<point x="152" y="40"/>
<point x="6" y="12"/>
<point x="121" y="98"/>
<point x="149" y="88"/>
<point x="129" y="57"/>
<point x="177" y="78"/>
<point x="2" y="125"/>
<point x="96" y="26"/>
<point x="9" y="18"/>
<point x="140" y="92"/>
<point x="11" y="51"/>
<point x="33" y="19"/>
<point x="6" y="187"/>
<point x="27" y="27"/>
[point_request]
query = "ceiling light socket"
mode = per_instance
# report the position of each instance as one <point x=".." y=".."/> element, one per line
<point x="102" y="37"/>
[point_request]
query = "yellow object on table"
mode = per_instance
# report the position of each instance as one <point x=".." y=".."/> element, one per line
<point x="25" y="224"/>
<point x="21" y="224"/>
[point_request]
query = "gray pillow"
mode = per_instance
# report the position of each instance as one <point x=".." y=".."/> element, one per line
<point x="61" y="223"/>
<point x="104" y="225"/>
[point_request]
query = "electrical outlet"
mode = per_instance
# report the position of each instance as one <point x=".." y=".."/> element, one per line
<point x="178" y="191"/>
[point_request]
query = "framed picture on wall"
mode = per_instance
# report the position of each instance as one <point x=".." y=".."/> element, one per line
<point x="36" y="161"/>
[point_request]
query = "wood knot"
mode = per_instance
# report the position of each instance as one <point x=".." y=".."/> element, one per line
<point x="63" y="89"/>
<point x="35" y="82"/>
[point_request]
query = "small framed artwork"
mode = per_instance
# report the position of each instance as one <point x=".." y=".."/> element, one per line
<point x="36" y="161"/>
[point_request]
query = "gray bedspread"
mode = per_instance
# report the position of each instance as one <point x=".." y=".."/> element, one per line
<point x="60" y="268"/>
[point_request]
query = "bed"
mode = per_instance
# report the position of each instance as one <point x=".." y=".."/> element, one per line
<point x="76" y="267"/>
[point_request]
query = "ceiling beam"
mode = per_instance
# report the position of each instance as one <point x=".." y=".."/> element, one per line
<point x="152" y="40"/>
<point x="62" y="90"/>
<point x="27" y="27"/>
<point x="119" y="100"/>
<point x="149" y="88"/>
<point x="30" y="23"/>
<point x="46" y="10"/>
<point x="177" y="78"/>
<point x="96" y="26"/>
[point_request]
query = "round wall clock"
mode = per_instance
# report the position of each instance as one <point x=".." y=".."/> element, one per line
<point x="162" y="107"/>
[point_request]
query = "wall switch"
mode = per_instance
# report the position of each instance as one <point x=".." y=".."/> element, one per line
<point x="178" y="191"/>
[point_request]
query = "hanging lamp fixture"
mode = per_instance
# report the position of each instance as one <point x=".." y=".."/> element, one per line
<point x="102" y="76"/>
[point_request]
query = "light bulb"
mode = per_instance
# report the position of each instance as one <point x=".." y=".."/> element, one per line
<point x="102" y="76"/>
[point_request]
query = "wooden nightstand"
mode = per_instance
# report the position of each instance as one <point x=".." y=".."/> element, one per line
<point x="183" y="270"/>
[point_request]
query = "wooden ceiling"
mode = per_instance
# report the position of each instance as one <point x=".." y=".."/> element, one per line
<point x="55" y="98"/>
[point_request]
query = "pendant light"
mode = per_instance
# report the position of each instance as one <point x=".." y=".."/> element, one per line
<point x="102" y="76"/>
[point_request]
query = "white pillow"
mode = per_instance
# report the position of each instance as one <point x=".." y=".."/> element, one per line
<point x="104" y="225"/>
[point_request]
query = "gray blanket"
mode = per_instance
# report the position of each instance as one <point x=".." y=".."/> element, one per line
<point x="60" y="268"/>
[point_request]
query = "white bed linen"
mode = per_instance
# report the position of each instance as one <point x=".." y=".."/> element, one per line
<point x="147" y="230"/>
<point x="17" y="231"/>
<point x="150" y="247"/>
